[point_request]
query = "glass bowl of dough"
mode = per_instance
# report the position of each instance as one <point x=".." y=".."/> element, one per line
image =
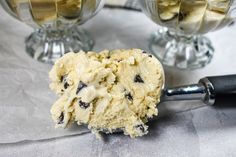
<point x="180" y="42"/>
<point x="56" y="25"/>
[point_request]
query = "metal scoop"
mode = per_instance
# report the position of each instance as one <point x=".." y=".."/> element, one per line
<point x="207" y="90"/>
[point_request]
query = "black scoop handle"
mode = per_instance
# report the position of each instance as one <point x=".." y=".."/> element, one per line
<point x="223" y="84"/>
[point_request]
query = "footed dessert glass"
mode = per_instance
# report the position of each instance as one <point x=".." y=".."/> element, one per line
<point x="179" y="43"/>
<point x="56" y="23"/>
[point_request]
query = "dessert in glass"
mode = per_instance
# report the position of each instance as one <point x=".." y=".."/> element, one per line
<point x="180" y="42"/>
<point x="56" y="22"/>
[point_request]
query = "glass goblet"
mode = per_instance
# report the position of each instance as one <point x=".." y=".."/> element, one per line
<point x="56" y="25"/>
<point x="180" y="42"/>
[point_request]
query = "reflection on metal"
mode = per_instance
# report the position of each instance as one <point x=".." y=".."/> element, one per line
<point x="201" y="91"/>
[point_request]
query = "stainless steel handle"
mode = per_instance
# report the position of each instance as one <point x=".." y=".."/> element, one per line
<point x="201" y="91"/>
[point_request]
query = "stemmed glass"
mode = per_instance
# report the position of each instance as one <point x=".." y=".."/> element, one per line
<point x="179" y="43"/>
<point x="56" y="25"/>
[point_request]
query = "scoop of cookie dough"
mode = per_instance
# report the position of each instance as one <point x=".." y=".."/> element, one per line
<point x="107" y="91"/>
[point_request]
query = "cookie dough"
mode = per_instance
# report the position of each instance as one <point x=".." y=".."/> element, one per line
<point x="109" y="90"/>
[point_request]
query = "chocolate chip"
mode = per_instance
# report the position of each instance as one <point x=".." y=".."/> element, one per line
<point x="83" y="105"/>
<point x="150" y="56"/>
<point x="138" y="79"/>
<point x="140" y="127"/>
<point x="62" y="78"/>
<point x="66" y="85"/>
<point x="129" y="96"/>
<point x="80" y="86"/>
<point x="61" y="118"/>
<point x="116" y="80"/>
<point x="144" y="52"/>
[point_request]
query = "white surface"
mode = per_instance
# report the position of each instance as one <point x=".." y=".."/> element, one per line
<point x="181" y="130"/>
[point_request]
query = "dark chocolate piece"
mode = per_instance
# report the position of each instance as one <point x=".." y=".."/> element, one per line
<point x="138" y="79"/>
<point x="66" y="85"/>
<point x="116" y="80"/>
<point x="150" y="56"/>
<point x="83" y="105"/>
<point x="62" y="78"/>
<point x="61" y="118"/>
<point x="129" y="96"/>
<point x="81" y="86"/>
<point x="140" y="127"/>
<point x="144" y="52"/>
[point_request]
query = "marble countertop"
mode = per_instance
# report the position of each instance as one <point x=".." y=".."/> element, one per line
<point x="183" y="129"/>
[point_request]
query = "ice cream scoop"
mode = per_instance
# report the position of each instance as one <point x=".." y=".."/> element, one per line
<point x="206" y="89"/>
<point x="119" y="90"/>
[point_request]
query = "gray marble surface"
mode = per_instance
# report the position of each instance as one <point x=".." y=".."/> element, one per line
<point x="183" y="129"/>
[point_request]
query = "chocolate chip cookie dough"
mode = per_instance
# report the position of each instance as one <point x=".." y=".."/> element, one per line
<point x="109" y="90"/>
